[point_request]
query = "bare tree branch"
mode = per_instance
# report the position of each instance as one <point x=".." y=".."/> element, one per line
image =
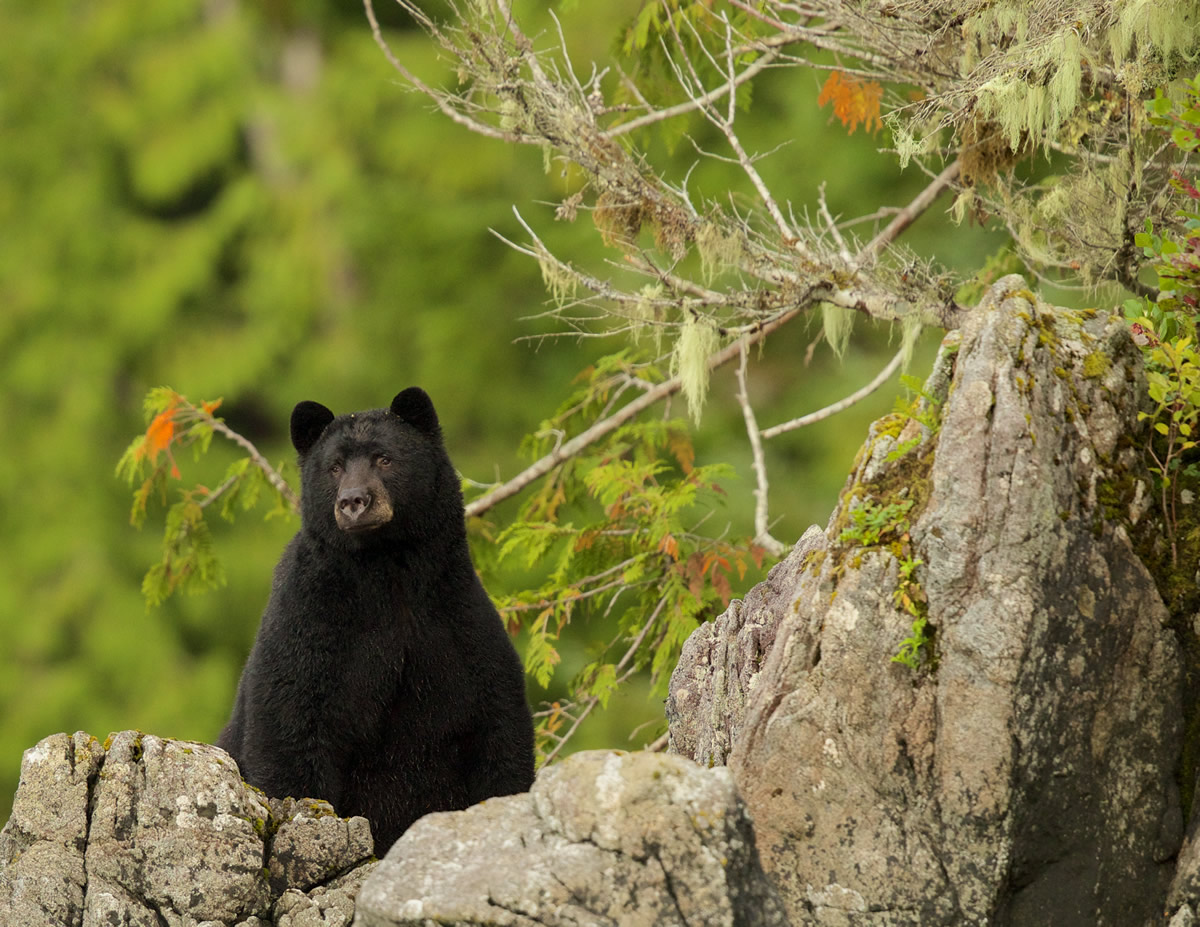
<point x="762" y="527"/>
<point x="908" y="215"/>
<point x="606" y="426"/>
<point x="841" y="405"/>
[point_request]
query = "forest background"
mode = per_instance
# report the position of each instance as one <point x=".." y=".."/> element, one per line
<point x="241" y="201"/>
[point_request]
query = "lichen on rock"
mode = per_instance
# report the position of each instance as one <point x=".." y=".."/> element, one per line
<point x="1027" y="775"/>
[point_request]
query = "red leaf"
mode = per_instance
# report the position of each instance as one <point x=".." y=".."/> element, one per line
<point x="854" y="100"/>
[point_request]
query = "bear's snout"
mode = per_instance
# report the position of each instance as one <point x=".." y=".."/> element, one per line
<point x="362" y="500"/>
<point x="353" y="502"/>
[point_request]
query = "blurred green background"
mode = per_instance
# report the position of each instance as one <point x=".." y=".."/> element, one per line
<point x="241" y="200"/>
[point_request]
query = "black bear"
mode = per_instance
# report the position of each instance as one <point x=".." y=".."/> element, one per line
<point x="382" y="678"/>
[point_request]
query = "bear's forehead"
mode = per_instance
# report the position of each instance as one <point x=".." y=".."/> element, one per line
<point x="363" y="429"/>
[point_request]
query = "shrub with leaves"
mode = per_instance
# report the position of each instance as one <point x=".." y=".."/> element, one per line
<point x="1165" y="325"/>
<point x="615" y="535"/>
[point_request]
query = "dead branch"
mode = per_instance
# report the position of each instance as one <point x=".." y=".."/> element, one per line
<point x="762" y="527"/>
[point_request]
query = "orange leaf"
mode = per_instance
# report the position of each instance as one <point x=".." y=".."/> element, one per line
<point x="854" y="100"/>
<point x="211" y="406"/>
<point x="160" y="432"/>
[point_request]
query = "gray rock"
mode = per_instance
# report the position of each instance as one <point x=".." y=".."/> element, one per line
<point x="329" y="905"/>
<point x="175" y="833"/>
<point x="159" y="832"/>
<point x="603" y="838"/>
<point x="42" y="873"/>
<point x="1184" y="917"/>
<point x="1025" y="774"/>
<point x="312" y="844"/>
<point x="721" y="660"/>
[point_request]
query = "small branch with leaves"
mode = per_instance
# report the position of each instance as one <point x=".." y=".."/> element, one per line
<point x="151" y="461"/>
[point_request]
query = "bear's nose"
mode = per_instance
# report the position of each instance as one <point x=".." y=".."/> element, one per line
<point x="352" y="502"/>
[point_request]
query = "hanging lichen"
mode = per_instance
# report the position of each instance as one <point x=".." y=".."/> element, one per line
<point x="837" y="324"/>
<point x="718" y="249"/>
<point x="645" y="312"/>
<point x="561" y="283"/>
<point x="910" y="331"/>
<point x="984" y="152"/>
<point x="618" y="221"/>
<point x="697" y="340"/>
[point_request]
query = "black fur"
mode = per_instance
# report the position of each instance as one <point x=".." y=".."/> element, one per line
<point x="382" y="678"/>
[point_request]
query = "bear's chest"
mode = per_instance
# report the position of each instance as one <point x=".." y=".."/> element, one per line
<point x="374" y="660"/>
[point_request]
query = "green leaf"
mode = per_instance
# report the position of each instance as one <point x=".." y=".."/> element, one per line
<point x="604" y="683"/>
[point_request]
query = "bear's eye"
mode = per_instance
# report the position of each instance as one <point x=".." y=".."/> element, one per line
<point x="335" y="469"/>
<point x="383" y="461"/>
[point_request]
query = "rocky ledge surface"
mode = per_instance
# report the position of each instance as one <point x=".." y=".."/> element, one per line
<point x="146" y="832"/>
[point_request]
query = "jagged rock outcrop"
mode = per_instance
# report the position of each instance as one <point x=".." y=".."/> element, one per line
<point x="602" y="838"/>
<point x="721" y="661"/>
<point x="1025" y="773"/>
<point x="165" y="832"/>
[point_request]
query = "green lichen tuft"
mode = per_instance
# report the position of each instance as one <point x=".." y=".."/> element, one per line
<point x="1096" y="365"/>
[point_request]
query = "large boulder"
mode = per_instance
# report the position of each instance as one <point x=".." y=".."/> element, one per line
<point x="602" y="838"/>
<point x="1023" y="773"/>
<point x="143" y="830"/>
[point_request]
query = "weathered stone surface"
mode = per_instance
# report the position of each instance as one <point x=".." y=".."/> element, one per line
<point x="159" y="832"/>
<point x="312" y="844"/>
<point x="602" y="838"/>
<point x="175" y="831"/>
<point x="329" y="905"/>
<point x="1025" y="775"/>
<point x="721" y="661"/>
<point x="42" y="874"/>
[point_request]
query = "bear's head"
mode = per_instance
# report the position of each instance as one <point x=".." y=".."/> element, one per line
<point x="368" y="477"/>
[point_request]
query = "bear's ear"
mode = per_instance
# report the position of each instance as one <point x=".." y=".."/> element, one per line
<point x="308" y="421"/>
<point x="414" y="406"/>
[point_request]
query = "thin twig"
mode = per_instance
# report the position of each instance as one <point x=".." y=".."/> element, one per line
<point x="762" y="528"/>
<point x="659" y="745"/>
<point x="908" y="215"/>
<point x="217" y="493"/>
<point x="439" y="98"/>
<point x="751" y="71"/>
<point x="272" y="475"/>
<point x="594" y="700"/>
<point x="841" y="404"/>
<point x="843" y="250"/>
